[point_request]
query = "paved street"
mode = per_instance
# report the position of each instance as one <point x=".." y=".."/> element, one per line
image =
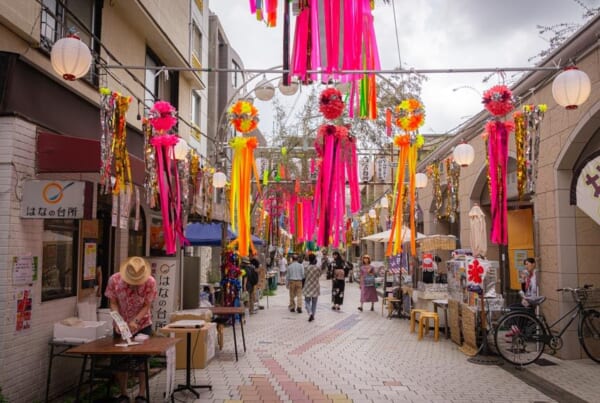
<point x="349" y="356"/>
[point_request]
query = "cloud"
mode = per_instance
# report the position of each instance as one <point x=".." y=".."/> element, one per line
<point x="436" y="34"/>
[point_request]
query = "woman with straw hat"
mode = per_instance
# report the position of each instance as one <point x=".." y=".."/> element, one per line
<point x="368" y="292"/>
<point x="131" y="292"/>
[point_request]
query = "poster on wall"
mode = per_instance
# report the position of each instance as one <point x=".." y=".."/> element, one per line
<point x="23" y="297"/>
<point x="89" y="260"/>
<point x="163" y="271"/>
<point x="24" y="269"/>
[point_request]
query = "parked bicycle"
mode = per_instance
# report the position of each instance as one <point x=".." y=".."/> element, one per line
<point x="521" y="335"/>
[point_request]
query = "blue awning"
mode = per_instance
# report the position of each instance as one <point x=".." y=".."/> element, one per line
<point x="210" y="234"/>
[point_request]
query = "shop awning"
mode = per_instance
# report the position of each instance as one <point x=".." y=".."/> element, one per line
<point x="210" y="234"/>
<point x="385" y="236"/>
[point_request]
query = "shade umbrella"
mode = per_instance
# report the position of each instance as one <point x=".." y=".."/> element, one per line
<point x="478" y="235"/>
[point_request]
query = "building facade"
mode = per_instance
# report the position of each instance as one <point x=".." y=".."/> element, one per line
<point x="546" y="223"/>
<point x="50" y="134"/>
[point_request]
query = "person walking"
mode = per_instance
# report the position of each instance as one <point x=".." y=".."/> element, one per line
<point x="282" y="269"/>
<point x="294" y="277"/>
<point x="312" y="288"/>
<point x="368" y="292"/>
<point x="338" y="281"/>
<point x="131" y="292"/>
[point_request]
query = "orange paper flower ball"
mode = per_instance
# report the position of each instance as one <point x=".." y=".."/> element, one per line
<point x="243" y="116"/>
<point x="410" y="115"/>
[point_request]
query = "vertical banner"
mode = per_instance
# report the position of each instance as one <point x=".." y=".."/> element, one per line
<point x="24" y="298"/>
<point x="164" y="272"/>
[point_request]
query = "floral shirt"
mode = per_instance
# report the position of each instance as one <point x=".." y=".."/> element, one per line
<point x="131" y="299"/>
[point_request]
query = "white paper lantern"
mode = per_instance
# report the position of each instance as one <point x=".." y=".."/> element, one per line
<point x="571" y="88"/>
<point x="420" y="180"/>
<point x="288" y="90"/>
<point x="372" y="213"/>
<point x="181" y="150"/>
<point x="384" y="202"/>
<point x="264" y="90"/>
<point x="219" y="180"/>
<point x="464" y="154"/>
<point x="71" y="58"/>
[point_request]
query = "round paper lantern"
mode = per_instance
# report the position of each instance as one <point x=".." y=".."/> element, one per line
<point x="264" y="90"/>
<point x="71" y="58"/>
<point x="571" y="88"/>
<point x="219" y="180"/>
<point x="288" y="90"/>
<point x="384" y="202"/>
<point x="372" y="213"/>
<point x="464" y="154"/>
<point x="420" y="180"/>
<point x="181" y="150"/>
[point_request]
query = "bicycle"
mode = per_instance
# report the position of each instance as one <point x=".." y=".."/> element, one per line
<point x="521" y="335"/>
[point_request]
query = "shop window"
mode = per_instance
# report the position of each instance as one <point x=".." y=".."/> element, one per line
<point x="59" y="259"/>
<point x="160" y="84"/>
<point x="137" y="239"/>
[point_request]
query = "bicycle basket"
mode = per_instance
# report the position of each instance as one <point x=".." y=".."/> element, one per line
<point x="589" y="297"/>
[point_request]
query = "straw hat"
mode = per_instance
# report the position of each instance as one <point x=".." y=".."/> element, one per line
<point x="135" y="270"/>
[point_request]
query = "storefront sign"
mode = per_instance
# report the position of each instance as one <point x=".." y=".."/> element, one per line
<point x="163" y="271"/>
<point x="588" y="189"/>
<point x="53" y="199"/>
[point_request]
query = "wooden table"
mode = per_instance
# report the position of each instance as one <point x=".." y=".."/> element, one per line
<point x="188" y="331"/>
<point x="106" y="347"/>
<point x="231" y="312"/>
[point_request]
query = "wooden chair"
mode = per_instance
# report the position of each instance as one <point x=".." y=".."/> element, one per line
<point x="424" y="324"/>
<point x="413" y="318"/>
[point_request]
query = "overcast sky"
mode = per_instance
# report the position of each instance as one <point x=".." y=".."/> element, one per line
<point x="436" y="34"/>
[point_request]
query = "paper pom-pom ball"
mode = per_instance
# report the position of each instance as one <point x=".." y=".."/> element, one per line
<point x="498" y="100"/>
<point x="410" y="115"/>
<point x="162" y="116"/>
<point x="243" y="116"/>
<point x="331" y="104"/>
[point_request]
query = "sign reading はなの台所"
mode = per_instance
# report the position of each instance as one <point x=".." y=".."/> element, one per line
<point x="53" y="199"/>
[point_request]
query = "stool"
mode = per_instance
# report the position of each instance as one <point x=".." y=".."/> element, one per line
<point x="413" y="314"/>
<point x="424" y="324"/>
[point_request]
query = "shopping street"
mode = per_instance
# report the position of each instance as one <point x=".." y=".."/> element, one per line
<point x="349" y="356"/>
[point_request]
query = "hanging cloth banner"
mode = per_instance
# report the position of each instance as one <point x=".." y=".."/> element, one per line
<point x="242" y="170"/>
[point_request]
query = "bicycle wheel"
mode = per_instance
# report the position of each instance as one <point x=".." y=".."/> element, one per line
<point x="520" y="338"/>
<point x="589" y="333"/>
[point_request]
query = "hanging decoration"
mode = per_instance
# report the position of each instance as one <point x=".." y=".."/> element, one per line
<point x="331" y="104"/>
<point x="409" y="145"/>
<point x="433" y="173"/>
<point x="162" y="119"/>
<point x="534" y="114"/>
<point x="452" y="181"/>
<point x="334" y="36"/>
<point x="243" y="116"/>
<point x="520" y="134"/>
<point x="150" y="180"/>
<point x="409" y="115"/>
<point x="113" y="143"/>
<point x="265" y="10"/>
<point x="337" y="163"/>
<point x="498" y="101"/>
<point x="242" y="170"/>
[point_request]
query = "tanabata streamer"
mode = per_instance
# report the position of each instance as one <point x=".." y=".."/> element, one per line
<point x="336" y="150"/>
<point x="162" y="120"/>
<point x="498" y="101"/>
<point x="242" y="170"/>
<point x="338" y="35"/>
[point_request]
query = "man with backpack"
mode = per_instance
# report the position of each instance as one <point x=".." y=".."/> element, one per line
<point x="250" y="281"/>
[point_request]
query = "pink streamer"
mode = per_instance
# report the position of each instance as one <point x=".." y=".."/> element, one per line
<point x="498" y="161"/>
<point x="300" y="49"/>
<point x="252" y="6"/>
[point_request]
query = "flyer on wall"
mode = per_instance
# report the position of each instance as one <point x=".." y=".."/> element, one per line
<point x="23" y="297"/>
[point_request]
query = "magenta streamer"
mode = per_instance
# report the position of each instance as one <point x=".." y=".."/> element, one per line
<point x="315" y="51"/>
<point x="253" y="6"/>
<point x="299" y="52"/>
<point x="498" y="160"/>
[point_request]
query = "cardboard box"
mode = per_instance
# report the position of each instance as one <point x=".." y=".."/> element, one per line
<point x="203" y="344"/>
<point x="81" y="331"/>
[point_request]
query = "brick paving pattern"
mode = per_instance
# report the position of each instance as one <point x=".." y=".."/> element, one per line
<point x="362" y="357"/>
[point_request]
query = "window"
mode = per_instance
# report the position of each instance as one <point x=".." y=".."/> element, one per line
<point x="83" y="16"/>
<point x="197" y="43"/>
<point x="196" y="108"/>
<point x="59" y="259"/>
<point x="151" y="81"/>
<point x="160" y="84"/>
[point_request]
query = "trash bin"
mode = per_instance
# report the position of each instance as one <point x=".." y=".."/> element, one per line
<point x="273" y="282"/>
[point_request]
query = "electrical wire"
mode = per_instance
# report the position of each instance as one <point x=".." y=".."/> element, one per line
<point x="397" y="34"/>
